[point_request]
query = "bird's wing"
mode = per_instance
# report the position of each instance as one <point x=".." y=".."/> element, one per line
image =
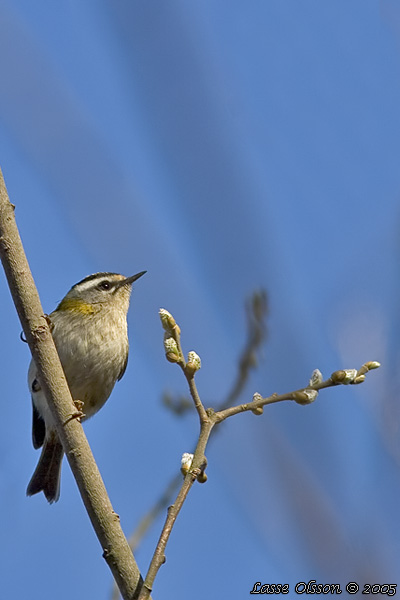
<point x="120" y="376"/>
<point x="38" y="428"/>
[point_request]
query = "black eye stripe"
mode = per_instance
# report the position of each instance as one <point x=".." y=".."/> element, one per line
<point x="105" y="285"/>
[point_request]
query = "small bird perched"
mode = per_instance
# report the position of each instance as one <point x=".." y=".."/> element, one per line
<point x="90" y="332"/>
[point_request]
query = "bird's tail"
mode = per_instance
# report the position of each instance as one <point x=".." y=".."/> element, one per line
<point x="46" y="477"/>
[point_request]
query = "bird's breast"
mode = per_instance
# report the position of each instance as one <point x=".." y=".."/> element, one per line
<point x="93" y="355"/>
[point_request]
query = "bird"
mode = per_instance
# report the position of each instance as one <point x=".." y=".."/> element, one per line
<point x="89" y="329"/>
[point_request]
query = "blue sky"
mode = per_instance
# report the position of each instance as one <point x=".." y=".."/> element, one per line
<point x="224" y="147"/>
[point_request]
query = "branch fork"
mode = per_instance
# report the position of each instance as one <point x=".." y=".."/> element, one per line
<point x="193" y="465"/>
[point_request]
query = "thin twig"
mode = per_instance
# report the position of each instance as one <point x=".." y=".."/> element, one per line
<point x="209" y="418"/>
<point x="105" y="521"/>
<point x="256" y="312"/>
<point x="195" y="471"/>
<point x="196" y="398"/>
<point x="305" y="395"/>
<point x="256" y="308"/>
<point x="159" y="556"/>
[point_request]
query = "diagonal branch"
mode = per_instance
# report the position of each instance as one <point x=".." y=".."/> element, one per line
<point x="105" y="521"/>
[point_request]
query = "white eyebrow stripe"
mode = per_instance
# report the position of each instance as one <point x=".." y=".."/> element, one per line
<point x="87" y="285"/>
<point x="91" y="281"/>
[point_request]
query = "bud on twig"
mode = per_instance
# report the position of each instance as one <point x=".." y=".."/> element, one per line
<point x="186" y="463"/>
<point x="193" y="363"/>
<point x="345" y="376"/>
<point x="352" y="375"/>
<point x="368" y="366"/>
<point x="171" y="349"/>
<point x="260" y="409"/>
<point x="316" y="378"/>
<point x="372" y="364"/>
<point x="168" y="322"/>
<point x="306" y="396"/>
<point x="202" y="478"/>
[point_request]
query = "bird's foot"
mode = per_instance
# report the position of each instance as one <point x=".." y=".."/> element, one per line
<point x="78" y="414"/>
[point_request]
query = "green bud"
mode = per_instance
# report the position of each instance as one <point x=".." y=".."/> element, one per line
<point x="168" y="322"/>
<point x="193" y="362"/>
<point x="372" y="364"/>
<point x="171" y="349"/>
<point x="316" y="378"/>
<point x="344" y="376"/>
<point x="306" y="396"/>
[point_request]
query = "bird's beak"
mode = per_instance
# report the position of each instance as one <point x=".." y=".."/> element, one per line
<point x="130" y="280"/>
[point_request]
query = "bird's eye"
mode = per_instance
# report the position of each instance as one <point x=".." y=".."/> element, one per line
<point x="105" y="285"/>
<point x="35" y="386"/>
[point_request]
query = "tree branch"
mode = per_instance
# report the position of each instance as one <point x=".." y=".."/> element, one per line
<point x="303" y="396"/>
<point x="256" y="311"/>
<point x="105" y="521"/>
<point x="193" y="466"/>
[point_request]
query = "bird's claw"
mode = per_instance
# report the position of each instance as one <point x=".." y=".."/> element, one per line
<point x="78" y="414"/>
